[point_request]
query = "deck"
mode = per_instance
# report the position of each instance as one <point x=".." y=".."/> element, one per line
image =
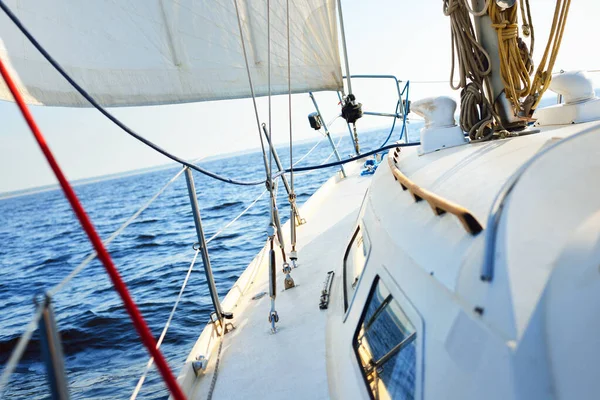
<point x="275" y="366"/>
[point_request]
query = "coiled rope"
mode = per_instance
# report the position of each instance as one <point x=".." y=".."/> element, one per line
<point x="516" y="63"/>
<point x="543" y="75"/>
<point x="477" y="114"/>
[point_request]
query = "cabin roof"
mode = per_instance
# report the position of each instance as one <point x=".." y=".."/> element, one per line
<point x="536" y="224"/>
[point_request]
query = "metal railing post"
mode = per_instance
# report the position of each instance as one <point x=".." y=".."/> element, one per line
<point x="52" y="353"/>
<point x="203" y="250"/>
<point x="337" y="155"/>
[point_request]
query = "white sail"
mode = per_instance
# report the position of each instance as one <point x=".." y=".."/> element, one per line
<point x="147" y="52"/>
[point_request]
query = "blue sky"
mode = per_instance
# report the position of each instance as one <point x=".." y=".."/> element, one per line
<point x="409" y="39"/>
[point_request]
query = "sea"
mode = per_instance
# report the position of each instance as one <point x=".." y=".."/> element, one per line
<point x="41" y="242"/>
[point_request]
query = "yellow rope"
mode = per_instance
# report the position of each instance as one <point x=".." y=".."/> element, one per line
<point x="514" y="67"/>
<point x="516" y="63"/>
<point x="477" y="115"/>
<point x="543" y="75"/>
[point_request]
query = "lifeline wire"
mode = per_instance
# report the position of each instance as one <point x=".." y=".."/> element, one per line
<point x="110" y="116"/>
<point x="166" y="327"/>
<point x="213" y="237"/>
<point x="310" y="151"/>
<point x="86" y="224"/>
<point x="24" y="340"/>
<point x="112" y="237"/>
<point x="129" y="131"/>
<point x="26" y="336"/>
<point x="20" y="348"/>
<point x="358" y="157"/>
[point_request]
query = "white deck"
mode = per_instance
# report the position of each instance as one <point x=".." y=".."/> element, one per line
<point x="255" y="363"/>
<point x="517" y="346"/>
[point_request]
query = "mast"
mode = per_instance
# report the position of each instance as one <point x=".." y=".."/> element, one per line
<point x="345" y="49"/>
<point x="488" y="38"/>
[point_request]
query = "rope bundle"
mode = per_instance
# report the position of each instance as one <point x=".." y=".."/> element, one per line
<point x="478" y="116"/>
<point x="516" y="62"/>
<point x="474" y="67"/>
<point x="543" y="75"/>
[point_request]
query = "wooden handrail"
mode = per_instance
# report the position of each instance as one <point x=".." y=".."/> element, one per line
<point x="438" y="204"/>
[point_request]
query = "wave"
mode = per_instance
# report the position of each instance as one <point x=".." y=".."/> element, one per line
<point x="146" y="245"/>
<point x="146" y="236"/>
<point x="94" y="332"/>
<point x="225" y="205"/>
<point x="145" y="221"/>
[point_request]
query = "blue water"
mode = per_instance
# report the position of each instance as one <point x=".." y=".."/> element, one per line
<point x="41" y="242"/>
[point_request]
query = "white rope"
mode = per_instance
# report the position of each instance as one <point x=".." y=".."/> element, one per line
<point x="310" y="151"/>
<point x="333" y="152"/>
<point x="477" y="13"/>
<point x="19" y="349"/>
<point x="32" y="326"/>
<point x="323" y="137"/>
<point x="166" y="327"/>
<point x="326" y="160"/>
<point x="112" y="237"/>
<point x="213" y="237"/>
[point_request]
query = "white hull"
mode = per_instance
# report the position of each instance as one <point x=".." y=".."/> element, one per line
<point x="529" y="333"/>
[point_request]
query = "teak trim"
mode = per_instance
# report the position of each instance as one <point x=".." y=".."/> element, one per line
<point x="438" y="205"/>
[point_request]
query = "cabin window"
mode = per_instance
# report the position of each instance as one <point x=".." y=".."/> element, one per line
<point x="385" y="346"/>
<point x="354" y="262"/>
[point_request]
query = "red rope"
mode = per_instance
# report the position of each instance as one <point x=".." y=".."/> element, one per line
<point x="86" y="223"/>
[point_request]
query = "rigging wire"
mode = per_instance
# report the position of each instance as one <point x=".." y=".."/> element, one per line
<point x="109" y="115"/>
<point x="77" y="270"/>
<point x="270" y="174"/>
<point x="251" y="84"/>
<point x="128" y="130"/>
<point x="289" y="78"/>
<point x="348" y="160"/>
<point x="343" y="34"/>
<point x="333" y="152"/>
<point x="292" y="194"/>
<point x="136" y="317"/>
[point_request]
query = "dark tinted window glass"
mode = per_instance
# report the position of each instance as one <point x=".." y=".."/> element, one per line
<point x="385" y="347"/>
